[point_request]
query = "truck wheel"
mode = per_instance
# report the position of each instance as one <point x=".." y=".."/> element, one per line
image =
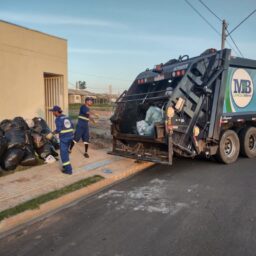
<point x="229" y="147"/>
<point x="248" y="142"/>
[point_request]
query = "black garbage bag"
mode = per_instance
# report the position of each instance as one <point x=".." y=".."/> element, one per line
<point x="40" y="126"/>
<point x="53" y="152"/>
<point x="15" y="137"/>
<point x="29" y="157"/>
<point x="12" y="158"/>
<point x="6" y="125"/>
<point x="55" y="143"/>
<point x="28" y="138"/>
<point x="3" y="147"/>
<point x="1" y="133"/>
<point x="38" y="140"/>
<point x="46" y="150"/>
<point x="19" y="122"/>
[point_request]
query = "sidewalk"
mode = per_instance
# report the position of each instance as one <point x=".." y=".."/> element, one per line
<point x="22" y="186"/>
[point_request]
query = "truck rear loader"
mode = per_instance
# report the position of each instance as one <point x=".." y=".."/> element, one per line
<point x="207" y="106"/>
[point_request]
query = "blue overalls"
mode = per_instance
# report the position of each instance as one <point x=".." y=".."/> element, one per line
<point x="65" y="128"/>
<point x="82" y="128"/>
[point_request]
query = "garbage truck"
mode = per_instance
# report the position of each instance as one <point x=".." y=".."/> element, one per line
<point x="200" y="106"/>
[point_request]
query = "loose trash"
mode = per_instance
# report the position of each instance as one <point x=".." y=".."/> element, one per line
<point x="50" y="159"/>
<point x="153" y="115"/>
<point x="24" y="142"/>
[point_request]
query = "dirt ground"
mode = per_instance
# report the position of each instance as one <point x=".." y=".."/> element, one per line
<point x="100" y="136"/>
<point x="100" y="132"/>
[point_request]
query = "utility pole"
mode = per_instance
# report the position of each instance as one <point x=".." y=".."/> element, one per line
<point x="223" y="34"/>
<point x="110" y="90"/>
<point x="109" y="93"/>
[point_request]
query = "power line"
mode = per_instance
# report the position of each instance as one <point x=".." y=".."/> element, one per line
<point x="242" y="22"/>
<point x="211" y="11"/>
<point x="98" y="88"/>
<point x="99" y="76"/>
<point x="202" y="17"/>
<point x="72" y="84"/>
<point x="235" y="44"/>
<point x="231" y="47"/>
<point x="209" y="23"/>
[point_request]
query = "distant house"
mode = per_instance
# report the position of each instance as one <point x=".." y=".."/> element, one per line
<point x="33" y="73"/>
<point x="78" y="96"/>
<point x="74" y="99"/>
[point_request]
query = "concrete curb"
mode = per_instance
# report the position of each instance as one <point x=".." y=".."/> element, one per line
<point x="14" y="223"/>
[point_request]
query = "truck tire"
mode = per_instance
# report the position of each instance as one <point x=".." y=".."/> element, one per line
<point x="248" y="142"/>
<point x="229" y="147"/>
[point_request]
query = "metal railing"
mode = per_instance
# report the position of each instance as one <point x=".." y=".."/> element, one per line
<point x="142" y="96"/>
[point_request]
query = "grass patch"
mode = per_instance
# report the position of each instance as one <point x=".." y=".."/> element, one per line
<point x="36" y="202"/>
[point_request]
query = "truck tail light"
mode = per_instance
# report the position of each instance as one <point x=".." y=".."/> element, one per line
<point x="178" y="73"/>
<point x="141" y="81"/>
<point x="223" y="121"/>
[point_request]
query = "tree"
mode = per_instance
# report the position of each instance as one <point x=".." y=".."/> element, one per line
<point x="81" y="85"/>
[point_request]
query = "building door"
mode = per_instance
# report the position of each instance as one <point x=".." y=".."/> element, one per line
<point x="54" y="95"/>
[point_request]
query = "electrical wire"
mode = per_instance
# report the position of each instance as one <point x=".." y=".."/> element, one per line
<point x="209" y="24"/>
<point x="229" y="44"/>
<point x="100" y="88"/>
<point x="242" y="22"/>
<point x="211" y="11"/>
<point x="232" y="39"/>
<point x="202" y="17"/>
<point x="99" y="76"/>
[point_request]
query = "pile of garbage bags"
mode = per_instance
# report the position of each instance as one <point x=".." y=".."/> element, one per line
<point x="21" y="144"/>
<point x="147" y="127"/>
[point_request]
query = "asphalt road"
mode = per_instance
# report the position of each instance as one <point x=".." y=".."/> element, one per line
<point x="195" y="207"/>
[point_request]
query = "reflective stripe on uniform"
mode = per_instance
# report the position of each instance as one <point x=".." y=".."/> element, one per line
<point x="66" y="163"/>
<point x="65" y="131"/>
<point x="83" y="117"/>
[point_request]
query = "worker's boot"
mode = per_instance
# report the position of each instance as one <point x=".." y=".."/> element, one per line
<point x="86" y="150"/>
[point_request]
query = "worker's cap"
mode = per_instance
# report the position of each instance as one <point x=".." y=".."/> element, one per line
<point x="89" y="98"/>
<point x="56" y="109"/>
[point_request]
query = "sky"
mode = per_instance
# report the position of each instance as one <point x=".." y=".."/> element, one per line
<point x="110" y="42"/>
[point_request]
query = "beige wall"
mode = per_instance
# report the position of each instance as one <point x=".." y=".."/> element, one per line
<point x="25" y="55"/>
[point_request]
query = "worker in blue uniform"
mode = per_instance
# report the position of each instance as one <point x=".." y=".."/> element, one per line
<point x="65" y="129"/>
<point x="82" y="128"/>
